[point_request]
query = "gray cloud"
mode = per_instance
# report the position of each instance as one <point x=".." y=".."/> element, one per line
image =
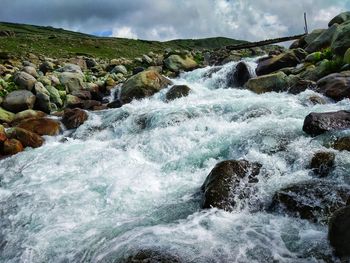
<point x="169" y="19"/>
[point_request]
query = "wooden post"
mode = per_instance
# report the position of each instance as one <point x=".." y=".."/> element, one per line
<point x="306" y="27"/>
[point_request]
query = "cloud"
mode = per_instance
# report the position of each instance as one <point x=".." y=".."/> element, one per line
<point x="169" y="19"/>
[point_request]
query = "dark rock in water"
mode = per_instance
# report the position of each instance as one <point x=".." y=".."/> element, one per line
<point x="219" y="186"/>
<point x="302" y="85"/>
<point x="27" y="138"/>
<point x="211" y="71"/>
<point x="114" y="104"/>
<point x="177" y="91"/>
<point x="317" y="100"/>
<point x="339" y="233"/>
<point x="322" y="163"/>
<point x="41" y="126"/>
<point x="288" y="59"/>
<point x="335" y="86"/>
<point x="313" y="200"/>
<point x="11" y="147"/>
<point x="153" y="256"/>
<point x="240" y="76"/>
<point x="318" y="123"/>
<point x="137" y="70"/>
<point x="72" y="119"/>
<point x="342" y="144"/>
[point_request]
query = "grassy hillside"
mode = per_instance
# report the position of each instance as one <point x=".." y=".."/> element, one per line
<point x="55" y="42"/>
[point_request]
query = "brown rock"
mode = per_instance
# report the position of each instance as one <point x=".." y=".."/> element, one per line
<point x="322" y="163"/>
<point x="41" y="126"/>
<point x="27" y="138"/>
<point x="12" y="146"/>
<point x="72" y="119"/>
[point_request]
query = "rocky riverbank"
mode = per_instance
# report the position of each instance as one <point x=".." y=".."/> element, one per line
<point x="42" y="96"/>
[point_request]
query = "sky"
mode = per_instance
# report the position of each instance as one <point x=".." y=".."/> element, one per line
<point x="174" y="19"/>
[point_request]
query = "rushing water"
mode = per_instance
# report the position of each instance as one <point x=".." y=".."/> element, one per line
<point x="129" y="179"/>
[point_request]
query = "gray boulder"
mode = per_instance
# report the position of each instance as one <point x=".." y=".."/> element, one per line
<point x="340" y="19"/>
<point x="19" y="100"/>
<point x="339" y="233"/>
<point x="341" y="39"/>
<point x="335" y="86"/>
<point x="24" y="80"/>
<point x="324" y="40"/>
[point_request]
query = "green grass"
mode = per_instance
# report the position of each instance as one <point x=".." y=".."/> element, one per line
<point x="57" y="43"/>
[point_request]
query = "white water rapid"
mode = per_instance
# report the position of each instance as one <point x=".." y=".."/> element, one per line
<point x="129" y="179"/>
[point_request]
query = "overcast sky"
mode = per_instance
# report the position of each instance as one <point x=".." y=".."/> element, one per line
<point x="170" y="19"/>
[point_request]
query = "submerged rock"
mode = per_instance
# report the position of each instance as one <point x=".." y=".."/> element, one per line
<point x="339" y="232"/>
<point x="318" y="123"/>
<point x="219" y="186"/>
<point x="153" y="256"/>
<point x="342" y="144"/>
<point x="335" y="86"/>
<point x="72" y="119"/>
<point x="143" y="84"/>
<point x="322" y="163"/>
<point x="41" y="126"/>
<point x="240" y="76"/>
<point x="177" y="91"/>
<point x="313" y="200"/>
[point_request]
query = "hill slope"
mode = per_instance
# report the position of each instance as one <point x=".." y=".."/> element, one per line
<point x="55" y="42"/>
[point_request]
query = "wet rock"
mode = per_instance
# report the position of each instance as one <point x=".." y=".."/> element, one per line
<point x="341" y="39"/>
<point x="24" y="80"/>
<point x="82" y="94"/>
<point x="177" y="63"/>
<point x="339" y="233"/>
<point x="219" y="186"/>
<point x="301" y="85"/>
<point x="318" y="123"/>
<point x="340" y="19"/>
<point x="73" y="118"/>
<point x="114" y="104"/>
<point x="322" y="163"/>
<point x="313" y="200"/>
<point x="27" y="138"/>
<point x="284" y="60"/>
<point x="12" y="147"/>
<point x="277" y="82"/>
<point x="73" y="102"/>
<point x="41" y="126"/>
<point x="6" y="116"/>
<point x="240" y="76"/>
<point x="153" y="256"/>
<point x="143" y="84"/>
<point x="317" y="100"/>
<point x="177" y="91"/>
<point x="90" y="104"/>
<point x="342" y="144"/>
<point x="19" y="100"/>
<point x="335" y="86"/>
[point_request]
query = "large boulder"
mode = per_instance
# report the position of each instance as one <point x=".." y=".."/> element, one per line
<point x="177" y="91"/>
<point x="240" y="75"/>
<point x="313" y="35"/>
<point x="6" y="116"/>
<point x="324" y="40"/>
<point x="72" y="81"/>
<point x="340" y="19"/>
<point x="177" y="63"/>
<point x="24" y="80"/>
<point x="28" y="114"/>
<point x="339" y="233"/>
<point x="27" y="138"/>
<point x="219" y="188"/>
<point x="19" y="100"/>
<point x="277" y="82"/>
<point x="341" y="39"/>
<point x="41" y="126"/>
<point x="314" y="200"/>
<point x="54" y="96"/>
<point x="318" y="123"/>
<point x="322" y="163"/>
<point x="11" y="147"/>
<point x="31" y="71"/>
<point x="143" y="84"/>
<point x="73" y="118"/>
<point x="335" y="86"/>
<point x="284" y="60"/>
